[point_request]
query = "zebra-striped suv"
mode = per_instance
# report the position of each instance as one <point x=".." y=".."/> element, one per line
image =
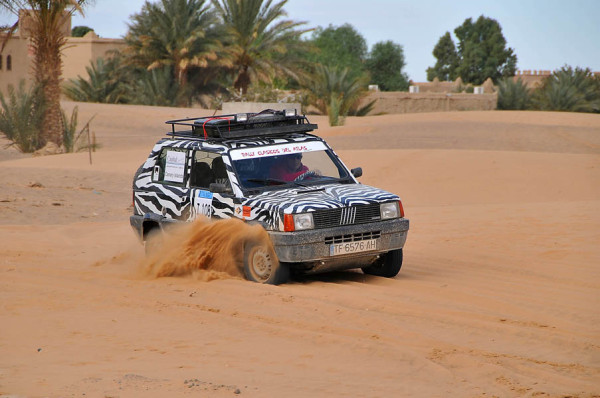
<point x="267" y="168"/>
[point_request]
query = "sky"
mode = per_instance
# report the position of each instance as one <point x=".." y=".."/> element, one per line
<point x="544" y="34"/>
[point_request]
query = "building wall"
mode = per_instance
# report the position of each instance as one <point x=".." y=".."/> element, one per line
<point x="80" y="51"/>
<point x="456" y="86"/>
<point x="77" y="52"/>
<point x="18" y="51"/>
<point x="403" y="102"/>
<point x="437" y="86"/>
<point x="532" y="78"/>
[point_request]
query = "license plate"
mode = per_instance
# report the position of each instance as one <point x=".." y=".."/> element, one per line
<point x="337" y="249"/>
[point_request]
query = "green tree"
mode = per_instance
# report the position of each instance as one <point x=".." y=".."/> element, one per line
<point x="385" y="65"/>
<point x="513" y="95"/>
<point x="568" y="89"/>
<point x="258" y="40"/>
<point x="179" y="34"/>
<point x="47" y="39"/>
<point x="447" y="60"/>
<point x="482" y="51"/>
<point x="336" y="94"/>
<point x="102" y="84"/>
<point x="22" y="116"/>
<point x="155" y="87"/>
<point x="80" y="31"/>
<point x="340" y="47"/>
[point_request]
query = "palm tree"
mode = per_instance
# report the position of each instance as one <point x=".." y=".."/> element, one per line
<point x="102" y="85"/>
<point x="22" y="115"/>
<point x="47" y="38"/>
<point x="179" y="34"/>
<point x="155" y="87"/>
<point x="570" y="90"/>
<point x="513" y="94"/>
<point x="258" y="41"/>
<point x="336" y="94"/>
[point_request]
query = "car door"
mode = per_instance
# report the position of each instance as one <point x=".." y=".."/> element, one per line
<point x="171" y="195"/>
<point x="208" y="168"/>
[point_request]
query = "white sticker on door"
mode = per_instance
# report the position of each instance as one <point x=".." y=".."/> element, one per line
<point x="175" y="166"/>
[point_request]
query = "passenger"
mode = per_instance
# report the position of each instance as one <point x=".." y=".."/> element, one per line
<point x="288" y="168"/>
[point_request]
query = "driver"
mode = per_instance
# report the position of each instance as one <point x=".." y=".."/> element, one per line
<point x="288" y="168"/>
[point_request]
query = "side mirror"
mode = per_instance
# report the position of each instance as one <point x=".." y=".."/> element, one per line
<point x="356" y="172"/>
<point x="215" y="187"/>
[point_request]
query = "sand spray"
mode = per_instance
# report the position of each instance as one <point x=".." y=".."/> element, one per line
<point x="203" y="249"/>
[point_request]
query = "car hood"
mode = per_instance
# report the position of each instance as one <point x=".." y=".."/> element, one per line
<point x="320" y="197"/>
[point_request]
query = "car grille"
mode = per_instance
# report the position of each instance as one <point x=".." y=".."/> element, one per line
<point x="352" y="237"/>
<point x="361" y="214"/>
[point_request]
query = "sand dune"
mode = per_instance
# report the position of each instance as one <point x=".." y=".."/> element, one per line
<point x="498" y="295"/>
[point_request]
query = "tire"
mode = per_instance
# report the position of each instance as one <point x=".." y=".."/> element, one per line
<point x="261" y="266"/>
<point x="387" y="266"/>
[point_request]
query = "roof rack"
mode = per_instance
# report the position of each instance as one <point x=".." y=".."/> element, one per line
<point x="241" y="125"/>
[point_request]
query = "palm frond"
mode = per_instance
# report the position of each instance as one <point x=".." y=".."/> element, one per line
<point x="568" y="89"/>
<point x="513" y="95"/>
<point x="22" y="115"/>
<point x="259" y="41"/>
<point x="102" y="84"/>
<point x="333" y="90"/>
<point x="174" y="33"/>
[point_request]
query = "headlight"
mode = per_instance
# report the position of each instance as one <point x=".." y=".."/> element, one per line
<point x="303" y="221"/>
<point x="297" y="222"/>
<point x="390" y="210"/>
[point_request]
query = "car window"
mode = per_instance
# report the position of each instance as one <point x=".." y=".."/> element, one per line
<point x="283" y="164"/>
<point x="170" y="166"/>
<point x="207" y="168"/>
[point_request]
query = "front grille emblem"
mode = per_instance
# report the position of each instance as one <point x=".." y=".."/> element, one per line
<point x="351" y="215"/>
<point x="348" y="215"/>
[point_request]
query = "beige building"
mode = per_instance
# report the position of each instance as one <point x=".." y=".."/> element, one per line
<point x="457" y="86"/>
<point x="16" y="58"/>
<point x="531" y="78"/>
<point x="534" y="78"/>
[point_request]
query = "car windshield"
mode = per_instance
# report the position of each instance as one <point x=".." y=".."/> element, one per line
<point x="299" y="164"/>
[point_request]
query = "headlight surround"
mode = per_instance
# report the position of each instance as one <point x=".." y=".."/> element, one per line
<point x="303" y="221"/>
<point x="390" y="210"/>
<point x="298" y="222"/>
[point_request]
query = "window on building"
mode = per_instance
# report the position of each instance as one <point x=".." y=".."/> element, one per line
<point x="8" y="62"/>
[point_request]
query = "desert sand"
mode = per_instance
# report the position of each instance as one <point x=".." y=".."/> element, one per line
<point x="499" y="294"/>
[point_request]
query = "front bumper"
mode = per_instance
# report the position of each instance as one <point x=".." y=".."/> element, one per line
<point x="313" y="246"/>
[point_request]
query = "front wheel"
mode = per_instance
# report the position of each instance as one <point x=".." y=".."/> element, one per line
<point x="387" y="266"/>
<point x="261" y="265"/>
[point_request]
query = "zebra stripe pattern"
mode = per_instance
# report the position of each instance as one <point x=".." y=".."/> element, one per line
<point x="176" y="201"/>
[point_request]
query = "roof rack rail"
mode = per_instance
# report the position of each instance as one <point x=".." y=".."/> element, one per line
<point x="241" y="125"/>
